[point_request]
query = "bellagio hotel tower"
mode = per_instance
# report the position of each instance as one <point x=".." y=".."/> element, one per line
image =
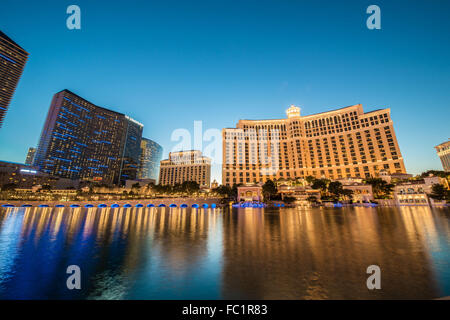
<point x="336" y="144"/>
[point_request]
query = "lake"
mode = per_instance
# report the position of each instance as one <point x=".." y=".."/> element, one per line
<point x="276" y="253"/>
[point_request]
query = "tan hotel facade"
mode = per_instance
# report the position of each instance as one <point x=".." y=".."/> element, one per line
<point x="336" y="144"/>
<point x="185" y="166"/>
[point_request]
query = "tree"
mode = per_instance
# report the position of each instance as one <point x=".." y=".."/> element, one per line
<point x="269" y="189"/>
<point x="224" y="191"/>
<point x="310" y="179"/>
<point x="234" y="191"/>
<point x="321" y="184"/>
<point x="437" y="173"/>
<point x="335" y="188"/>
<point x="312" y="199"/>
<point x="439" y="192"/>
<point x="190" y="187"/>
<point x="136" y="186"/>
<point x="347" y="193"/>
<point x="381" y="189"/>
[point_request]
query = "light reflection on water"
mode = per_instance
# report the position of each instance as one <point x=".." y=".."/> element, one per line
<point x="170" y="253"/>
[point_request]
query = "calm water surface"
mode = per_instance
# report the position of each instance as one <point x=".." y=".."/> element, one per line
<point x="162" y="253"/>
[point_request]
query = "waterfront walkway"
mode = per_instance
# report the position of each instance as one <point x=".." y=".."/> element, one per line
<point x="162" y="202"/>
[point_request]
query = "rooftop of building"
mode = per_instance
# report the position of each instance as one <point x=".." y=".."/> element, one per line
<point x="4" y="36"/>
<point x="320" y="114"/>
<point x="443" y="144"/>
<point x="76" y="95"/>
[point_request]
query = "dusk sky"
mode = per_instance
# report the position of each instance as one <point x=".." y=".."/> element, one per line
<point x="169" y="63"/>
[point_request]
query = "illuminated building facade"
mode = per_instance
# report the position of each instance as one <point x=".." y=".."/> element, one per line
<point x="151" y="155"/>
<point x="336" y="144"/>
<point x="25" y="176"/>
<point x="12" y="61"/>
<point x="30" y="156"/>
<point x="443" y="151"/>
<point x="83" y="141"/>
<point x="185" y="166"/>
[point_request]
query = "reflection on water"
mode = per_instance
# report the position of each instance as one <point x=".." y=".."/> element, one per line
<point x="170" y="253"/>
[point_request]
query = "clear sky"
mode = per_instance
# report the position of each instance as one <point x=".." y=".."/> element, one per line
<point x="169" y="63"/>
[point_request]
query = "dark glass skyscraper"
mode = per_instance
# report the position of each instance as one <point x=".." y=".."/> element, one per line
<point x="30" y="156"/>
<point x="151" y="156"/>
<point x="132" y="150"/>
<point x="83" y="141"/>
<point x="12" y="62"/>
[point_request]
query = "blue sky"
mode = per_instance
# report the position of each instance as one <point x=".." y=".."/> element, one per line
<point x="169" y="63"/>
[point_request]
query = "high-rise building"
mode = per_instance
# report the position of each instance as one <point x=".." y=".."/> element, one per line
<point x="443" y="151"/>
<point x="336" y="144"/>
<point x="185" y="166"/>
<point x="30" y="156"/>
<point x="132" y="150"/>
<point x="151" y="155"/>
<point x="83" y="141"/>
<point x="12" y="61"/>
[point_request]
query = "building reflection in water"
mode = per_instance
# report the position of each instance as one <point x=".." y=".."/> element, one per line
<point x="324" y="253"/>
<point x="173" y="253"/>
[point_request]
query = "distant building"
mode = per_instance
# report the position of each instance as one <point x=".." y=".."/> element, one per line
<point x="299" y="192"/>
<point x="443" y="151"/>
<point x="214" y="184"/>
<point x="12" y="62"/>
<point x="25" y="176"/>
<point x="151" y="155"/>
<point x="346" y="142"/>
<point x="185" y="166"/>
<point x="394" y="177"/>
<point x="30" y="156"/>
<point x="83" y="141"/>
<point x="361" y="192"/>
<point x="250" y="193"/>
<point x="416" y="192"/>
<point x="132" y="150"/>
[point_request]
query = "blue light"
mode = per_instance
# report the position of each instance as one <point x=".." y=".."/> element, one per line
<point x="81" y="144"/>
<point x="6" y="58"/>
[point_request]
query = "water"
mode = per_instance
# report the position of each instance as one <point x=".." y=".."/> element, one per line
<point x="282" y="253"/>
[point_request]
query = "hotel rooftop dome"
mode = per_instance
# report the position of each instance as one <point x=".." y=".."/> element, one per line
<point x="293" y="111"/>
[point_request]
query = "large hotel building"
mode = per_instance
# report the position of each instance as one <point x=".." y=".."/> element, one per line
<point x="185" y="166"/>
<point x="151" y="155"/>
<point x="12" y="62"/>
<point x="336" y="144"/>
<point x="83" y="141"/>
<point x="443" y="151"/>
